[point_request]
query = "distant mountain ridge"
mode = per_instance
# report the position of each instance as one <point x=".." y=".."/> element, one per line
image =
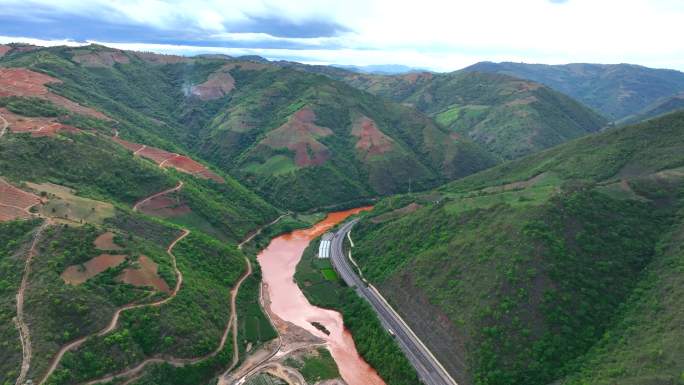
<point x="509" y="116"/>
<point x="615" y="90"/>
<point x="658" y="108"/>
<point x="380" y="69"/>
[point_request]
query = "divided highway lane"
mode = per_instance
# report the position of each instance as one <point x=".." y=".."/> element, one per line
<point x="430" y="371"/>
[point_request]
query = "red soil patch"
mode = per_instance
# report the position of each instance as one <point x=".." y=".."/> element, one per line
<point x="14" y="203"/>
<point x="371" y="141"/>
<point x="184" y="163"/>
<point x="35" y="126"/>
<point x="77" y="274"/>
<point x="164" y="206"/>
<point x="155" y="154"/>
<point x="100" y="58"/>
<point x="145" y="275"/>
<point x="299" y="134"/>
<point x="129" y="145"/>
<point x="217" y="86"/>
<point x="8" y="213"/>
<point x="208" y="174"/>
<point x="4" y="49"/>
<point x="105" y="241"/>
<point x="169" y="159"/>
<point x="26" y="83"/>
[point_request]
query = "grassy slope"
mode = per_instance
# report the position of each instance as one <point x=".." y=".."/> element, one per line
<point x="658" y="108"/>
<point x="148" y="102"/>
<point x="525" y="279"/>
<point x="617" y="91"/>
<point x="508" y="116"/>
<point x="15" y="238"/>
<point x="97" y="168"/>
<point x="266" y="98"/>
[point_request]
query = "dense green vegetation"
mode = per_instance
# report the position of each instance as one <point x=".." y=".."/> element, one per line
<point x="15" y="238"/>
<point x="59" y="313"/>
<point x="373" y="342"/>
<point x="146" y="100"/>
<point x="316" y="366"/>
<point x="643" y="346"/>
<point x="188" y="326"/>
<point x="253" y="326"/>
<point x="265" y="99"/>
<point x="150" y="104"/>
<point x="562" y="266"/>
<point x="286" y="224"/>
<point x="534" y="261"/>
<point x="506" y="115"/>
<point x="32" y="107"/>
<point x="658" y="108"/>
<point x="615" y="90"/>
<point x="101" y="169"/>
<point x="90" y="164"/>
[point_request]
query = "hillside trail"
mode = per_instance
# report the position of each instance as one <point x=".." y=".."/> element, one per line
<point x="149" y="198"/>
<point x="231" y="325"/>
<point x="3" y="130"/>
<point x="133" y="372"/>
<point x="19" y="321"/>
<point x="115" y="318"/>
<point x="259" y="230"/>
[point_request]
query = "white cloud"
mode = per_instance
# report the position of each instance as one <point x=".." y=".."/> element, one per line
<point x="438" y="34"/>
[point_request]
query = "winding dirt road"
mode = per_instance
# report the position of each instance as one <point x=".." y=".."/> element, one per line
<point x="180" y="362"/>
<point x="149" y="198"/>
<point x="133" y="372"/>
<point x="115" y="319"/>
<point x="3" y="130"/>
<point x="24" y="333"/>
<point x="260" y="229"/>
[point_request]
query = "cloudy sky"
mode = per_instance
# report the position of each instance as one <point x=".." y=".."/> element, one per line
<point x="440" y="35"/>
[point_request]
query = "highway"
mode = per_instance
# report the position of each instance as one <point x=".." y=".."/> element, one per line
<point x="430" y="371"/>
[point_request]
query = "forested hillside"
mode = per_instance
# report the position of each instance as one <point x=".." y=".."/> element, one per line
<point x="508" y="116"/>
<point x="615" y="90"/>
<point x="300" y="140"/>
<point x="559" y="266"/>
<point x="114" y="253"/>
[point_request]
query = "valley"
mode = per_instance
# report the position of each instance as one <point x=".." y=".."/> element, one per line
<point x="164" y="219"/>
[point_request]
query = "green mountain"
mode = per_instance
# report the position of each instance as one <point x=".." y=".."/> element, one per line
<point x="298" y="139"/>
<point x="660" y="107"/>
<point x="560" y="267"/>
<point x="615" y="90"/>
<point x="305" y="140"/>
<point x="91" y="223"/>
<point x="127" y="179"/>
<point x="508" y="116"/>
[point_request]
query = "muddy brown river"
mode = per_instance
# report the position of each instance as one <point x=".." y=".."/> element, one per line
<point x="278" y="262"/>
